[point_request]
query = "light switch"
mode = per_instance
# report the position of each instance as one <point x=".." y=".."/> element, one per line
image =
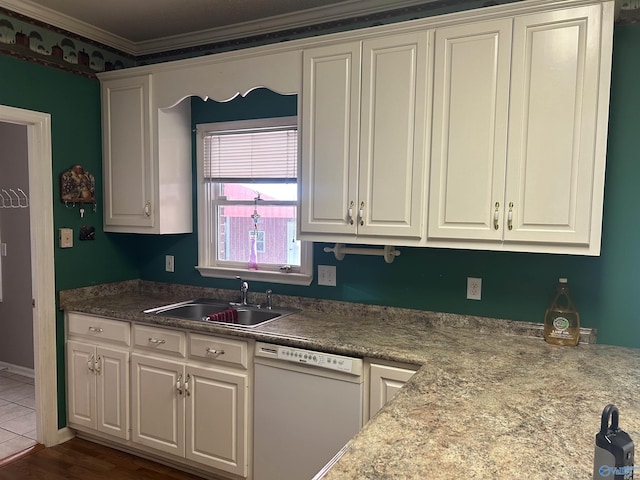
<point x="66" y="237"/>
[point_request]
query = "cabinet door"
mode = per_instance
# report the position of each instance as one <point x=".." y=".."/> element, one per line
<point x="112" y="391"/>
<point x="554" y="178"/>
<point x="216" y="412"/>
<point x="329" y="126"/>
<point x="157" y="403"/>
<point x="469" y="142"/>
<point x="384" y="382"/>
<point x="81" y="384"/>
<point x="393" y="136"/>
<point x="128" y="152"/>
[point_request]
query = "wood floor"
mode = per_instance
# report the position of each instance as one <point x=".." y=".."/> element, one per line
<point x="79" y="459"/>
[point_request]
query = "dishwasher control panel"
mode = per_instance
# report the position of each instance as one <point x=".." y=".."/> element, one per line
<point x="317" y="359"/>
<point x="328" y="361"/>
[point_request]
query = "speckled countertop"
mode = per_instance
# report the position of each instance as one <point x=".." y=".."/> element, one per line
<point x="491" y="401"/>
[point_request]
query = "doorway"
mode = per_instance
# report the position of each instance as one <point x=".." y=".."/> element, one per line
<point x="40" y="181"/>
<point x="17" y="390"/>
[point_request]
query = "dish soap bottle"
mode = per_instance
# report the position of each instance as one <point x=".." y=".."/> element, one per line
<point x="562" y="321"/>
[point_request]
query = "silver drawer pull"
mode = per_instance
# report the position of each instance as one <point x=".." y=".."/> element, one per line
<point x="95" y="329"/>
<point x="186" y="385"/>
<point x="98" y="365"/>
<point x="213" y="351"/>
<point x="179" y="385"/>
<point x="155" y="341"/>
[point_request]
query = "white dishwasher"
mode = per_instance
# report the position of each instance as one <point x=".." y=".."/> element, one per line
<point x="307" y="405"/>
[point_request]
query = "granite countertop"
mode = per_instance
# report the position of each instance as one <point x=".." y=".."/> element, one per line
<point x="490" y="400"/>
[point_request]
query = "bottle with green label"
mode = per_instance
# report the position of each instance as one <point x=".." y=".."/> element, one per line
<point x="562" y="321"/>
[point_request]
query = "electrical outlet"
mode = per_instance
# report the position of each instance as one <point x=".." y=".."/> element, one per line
<point x="474" y="288"/>
<point x="169" y="264"/>
<point x="327" y="275"/>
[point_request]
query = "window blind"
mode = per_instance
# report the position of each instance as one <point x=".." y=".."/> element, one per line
<point x="255" y="154"/>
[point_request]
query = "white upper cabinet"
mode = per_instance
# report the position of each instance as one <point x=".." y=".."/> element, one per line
<point x="557" y="135"/>
<point x="520" y="131"/>
<point x="364" y="110"/>
<point x="146" y="128"/>
<point x="329" y="135"/>
<point x="126" y="118"/>
<point x="480" y="129"/>
<point x="469" y="140"/>
<point x="146" y="160"/>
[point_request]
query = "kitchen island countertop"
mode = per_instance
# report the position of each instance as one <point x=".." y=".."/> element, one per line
<point x="486" y="403"/>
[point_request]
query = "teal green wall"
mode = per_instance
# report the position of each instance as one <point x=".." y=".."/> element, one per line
<point x="515" y="285"/>
<point x="74" y="104"/>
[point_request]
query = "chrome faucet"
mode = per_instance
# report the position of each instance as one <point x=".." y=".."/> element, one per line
<point x="269" y="293"/>
<point x="244" y="288"/>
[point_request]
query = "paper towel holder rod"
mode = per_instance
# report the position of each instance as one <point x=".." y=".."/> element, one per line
<point x="389" y="252"/>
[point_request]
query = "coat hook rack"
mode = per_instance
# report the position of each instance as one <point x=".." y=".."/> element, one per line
<point x="389" y="252"/>
<point x="11" y="198"/>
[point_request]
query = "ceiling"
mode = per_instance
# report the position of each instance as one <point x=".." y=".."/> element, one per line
<point x="149" y="26"/>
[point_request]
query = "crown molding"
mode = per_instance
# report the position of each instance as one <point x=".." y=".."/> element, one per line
<point x="273" y="24"/>
<point x="257" y="27"/>
<point x="73" y="25"/>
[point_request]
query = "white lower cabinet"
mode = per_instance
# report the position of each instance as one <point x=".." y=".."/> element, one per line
<point x="158" y="404"/>
<point x="98" y="388"/>
<point x="217" y="420"/>
<point x="164" y="391"/>
<point x="385" y="379"/>
<point x="98" y="375"/>
<point x="193" y="412"/>
<point x="195" y="408"/>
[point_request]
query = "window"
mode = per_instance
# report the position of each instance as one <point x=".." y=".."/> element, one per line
<point x="247" y="201"/>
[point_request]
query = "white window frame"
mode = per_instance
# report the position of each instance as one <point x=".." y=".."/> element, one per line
<point x="208" y="265"/>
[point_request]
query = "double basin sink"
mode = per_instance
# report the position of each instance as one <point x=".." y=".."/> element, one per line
<point x="206" y="310"/>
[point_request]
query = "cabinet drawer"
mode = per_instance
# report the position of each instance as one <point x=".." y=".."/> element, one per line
<point x="98" y="328"/>
<point x="218" y="350"/>
<point x="159" y="339"/>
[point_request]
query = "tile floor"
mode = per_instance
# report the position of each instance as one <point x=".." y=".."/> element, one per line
<point x="17" y="413"/>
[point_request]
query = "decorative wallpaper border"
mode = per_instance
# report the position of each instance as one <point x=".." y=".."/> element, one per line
<point x="39" y="42"/>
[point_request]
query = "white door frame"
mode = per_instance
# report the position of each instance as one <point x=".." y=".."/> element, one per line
<point x="42" y="269"/>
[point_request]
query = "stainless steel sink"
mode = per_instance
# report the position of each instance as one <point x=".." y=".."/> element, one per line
<point x="200" y="309"/>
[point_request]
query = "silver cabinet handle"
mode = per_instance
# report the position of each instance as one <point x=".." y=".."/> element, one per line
<point x="179" y="385"/>
<point x="213" y="351"/>
<point x="98" y="365"/>
<point x="186" y="385"/>
<point x="147" y="209"/>
<point x="350" y="213"/>
<point x="496" y="216"/>
<point x="95" y="329"/>
<point x="156" y="341"/>
<point x="91" y="364"/>
<point x="510" y="216"/>
<point x="361" y="213"/>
